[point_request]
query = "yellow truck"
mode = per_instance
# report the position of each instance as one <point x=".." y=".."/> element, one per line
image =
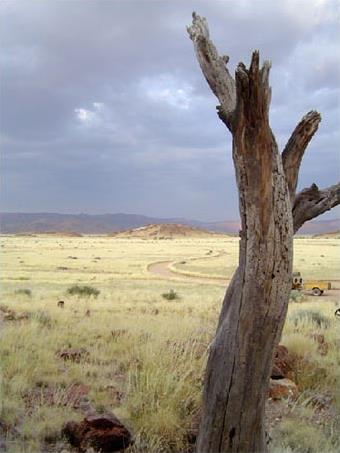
<point x="316" y="286"/>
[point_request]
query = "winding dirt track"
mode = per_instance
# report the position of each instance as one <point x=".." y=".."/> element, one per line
<point x="161" y="269"/>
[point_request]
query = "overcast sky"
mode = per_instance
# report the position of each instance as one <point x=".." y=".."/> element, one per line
<point x="104" y="108"/>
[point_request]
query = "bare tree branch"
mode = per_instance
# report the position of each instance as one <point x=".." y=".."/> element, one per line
<point x="312" y="202"/>
<point x="214" y="68"/>
<point x="296" y="146"/>
<point x="253" y="93"/>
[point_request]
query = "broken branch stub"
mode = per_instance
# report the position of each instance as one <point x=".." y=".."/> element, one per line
<point x="214" y="68"/>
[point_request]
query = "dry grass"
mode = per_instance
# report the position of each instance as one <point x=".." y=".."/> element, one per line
<point x="314" y="258"/>
<point x="146" y="354"/>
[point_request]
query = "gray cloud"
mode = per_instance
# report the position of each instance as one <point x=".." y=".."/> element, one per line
<point x="104" y="108"/>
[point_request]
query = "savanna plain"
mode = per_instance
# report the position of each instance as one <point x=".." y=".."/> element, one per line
<point x="143" y="336"/>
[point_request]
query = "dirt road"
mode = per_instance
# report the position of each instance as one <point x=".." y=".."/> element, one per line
<point x="161" y="269"/>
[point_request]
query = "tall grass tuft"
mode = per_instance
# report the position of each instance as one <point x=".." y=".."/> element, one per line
<point x="83" y="291"/>
<point x="313" y="316"/>
<point x="302" y="437"/>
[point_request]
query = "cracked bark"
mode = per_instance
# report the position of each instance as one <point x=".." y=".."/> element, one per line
<point x="255" y="304"/>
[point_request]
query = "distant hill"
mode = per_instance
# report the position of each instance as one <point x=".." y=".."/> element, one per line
<point x="320" y="227"/>
<point x="330" y="235"/>
<point x="80" y="223"/>
<point x="13" y="223"/>
<point x="164" y="231"/>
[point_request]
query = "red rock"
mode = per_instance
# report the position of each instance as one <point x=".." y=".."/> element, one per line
<point x="102" y="432"/>
<point x="282" y="388"/>
<point x="283" y="363"/>
<point x="103" y="421"/>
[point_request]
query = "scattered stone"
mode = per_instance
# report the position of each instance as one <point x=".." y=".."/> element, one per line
<point x="75" y="355"/>
<point x="282" y="388"/>
<point x="283" y="364"/>
<point x="102" y="432"/>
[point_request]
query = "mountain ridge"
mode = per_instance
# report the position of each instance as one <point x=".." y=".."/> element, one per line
<point x="21" y="222"/>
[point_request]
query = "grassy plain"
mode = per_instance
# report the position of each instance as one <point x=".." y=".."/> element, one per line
<point x="315" y="258"/>
<point x="146" y="354"/>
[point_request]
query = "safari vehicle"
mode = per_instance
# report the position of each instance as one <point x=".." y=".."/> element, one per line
<point x="297" y="282"/>
<point x="316" y="286"/>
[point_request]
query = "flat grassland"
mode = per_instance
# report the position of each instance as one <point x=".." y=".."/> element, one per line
<point x="145" y="353"/>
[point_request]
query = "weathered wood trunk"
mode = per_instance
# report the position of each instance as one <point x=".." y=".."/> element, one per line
<point x="255" y="305"/>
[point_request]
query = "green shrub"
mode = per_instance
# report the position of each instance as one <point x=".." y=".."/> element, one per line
<point x="171" y="295"/>
<point x="296" y="296"/>
<point x="83" y="291"/>
<point x="25" y="291"/>
<point x="315" y="317"/>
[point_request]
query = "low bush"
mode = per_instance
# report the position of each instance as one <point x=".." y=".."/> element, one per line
<point x="296" y="296"/>
<point x="171" y="295"/>
<point x="83" y="291"/>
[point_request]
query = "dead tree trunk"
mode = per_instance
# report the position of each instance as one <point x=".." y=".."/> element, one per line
<point x="255" y="304"/>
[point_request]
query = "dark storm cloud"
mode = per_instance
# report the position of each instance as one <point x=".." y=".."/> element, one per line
<point x="104" y="108"/>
